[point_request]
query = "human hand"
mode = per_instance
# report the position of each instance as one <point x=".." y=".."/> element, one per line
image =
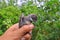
<point x="16" y="33"/>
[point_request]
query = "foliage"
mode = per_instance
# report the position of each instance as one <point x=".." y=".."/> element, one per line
<point x="7" y="17"/>
<point x="47" y="26"/>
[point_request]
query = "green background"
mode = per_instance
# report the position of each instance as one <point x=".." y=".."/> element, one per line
<point x="47" y="26"/>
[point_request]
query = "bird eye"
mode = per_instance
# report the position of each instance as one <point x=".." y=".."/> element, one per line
<point x="34" y="17"/>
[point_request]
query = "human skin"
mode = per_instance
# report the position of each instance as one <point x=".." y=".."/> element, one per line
<point x="16" y="33"/>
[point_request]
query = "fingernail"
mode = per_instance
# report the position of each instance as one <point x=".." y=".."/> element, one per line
<point x="31" y="26"/>
<point x="23" y="39"/>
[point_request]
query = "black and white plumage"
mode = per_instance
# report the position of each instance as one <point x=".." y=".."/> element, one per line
<point x="25" y="20"/>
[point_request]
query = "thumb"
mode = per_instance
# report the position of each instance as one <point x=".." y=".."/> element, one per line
<point x="13" y="27"/>
<point x="25" y="29"/>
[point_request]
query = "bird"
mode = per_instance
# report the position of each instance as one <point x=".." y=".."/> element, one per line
<point x="25" y="20"/>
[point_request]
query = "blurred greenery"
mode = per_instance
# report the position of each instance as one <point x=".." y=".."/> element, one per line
<point x="47" y="26"/>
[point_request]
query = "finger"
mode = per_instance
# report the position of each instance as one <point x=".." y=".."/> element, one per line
<point x="26" y="37"/>
<point x="14" y="27"/>
<point x="30" y="32"/>
<point x="26" y="28"/>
